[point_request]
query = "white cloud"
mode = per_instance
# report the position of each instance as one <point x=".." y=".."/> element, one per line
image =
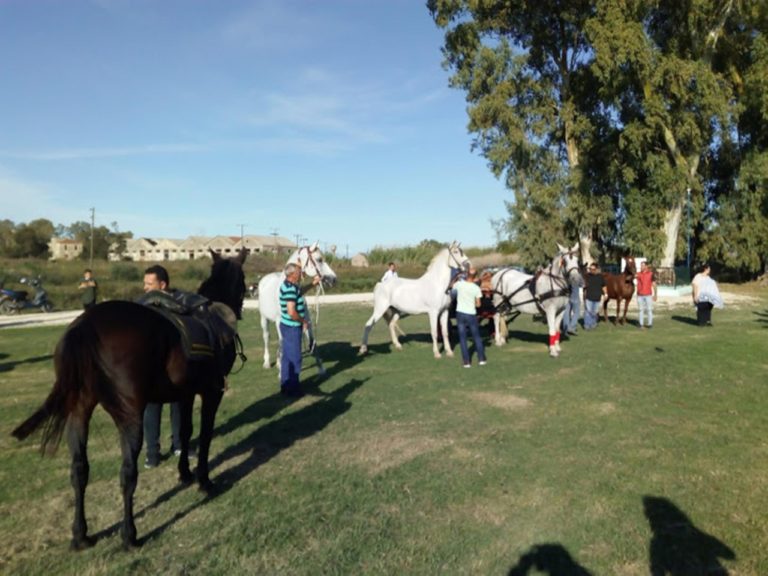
<point x="81" y="153"/>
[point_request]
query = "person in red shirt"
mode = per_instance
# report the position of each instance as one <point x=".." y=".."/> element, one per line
<point x="646" y="293"/>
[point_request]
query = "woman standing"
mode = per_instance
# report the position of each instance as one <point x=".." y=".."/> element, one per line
<point x="705" y="296"/>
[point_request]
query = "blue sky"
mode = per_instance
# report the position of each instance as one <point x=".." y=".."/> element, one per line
<point x="328" y="119"/>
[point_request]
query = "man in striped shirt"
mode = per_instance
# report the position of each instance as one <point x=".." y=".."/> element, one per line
<point x="294" y="318"/>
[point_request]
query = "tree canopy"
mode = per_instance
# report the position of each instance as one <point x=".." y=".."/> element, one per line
<point x="612" y="121"/>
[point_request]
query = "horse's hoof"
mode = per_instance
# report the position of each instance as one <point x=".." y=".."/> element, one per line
<point x="266" y="366"/>
<point x="186" y="477"/>
<point x="449" y="354"/>
<point x="130" y="544"/>
<point x="363" y="350"/>
<point x="83" y="543"/>
<point x="207" y="487"/>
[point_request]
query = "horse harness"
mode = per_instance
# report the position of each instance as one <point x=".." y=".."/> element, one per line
<point x="557" y="283"/>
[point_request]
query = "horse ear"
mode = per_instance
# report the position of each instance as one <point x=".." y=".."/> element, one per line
<point x="214" y="255"/>
<point x="561" y="249"/>
<point x="575" y="247"/>
<point x="314" y="246"/>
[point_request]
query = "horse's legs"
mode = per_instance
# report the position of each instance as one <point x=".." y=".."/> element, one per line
<point x="185" y="411"/>
<point x="394" y="317"/>
<point x="498" y="338"/>
<point x="605" y="310"/>
<point x="554" y="333"/>
<point x="265" y="337"/>
<point x="77" y="439"/>
<point x="131" y="437"/>
<point x="366" y="331"/>
<point x="618" y="311"/>
<point x="444" y="319"/>
<point x="626" y="305"/>
<point x="211" y="400"/>
<point x="433" y="320"/>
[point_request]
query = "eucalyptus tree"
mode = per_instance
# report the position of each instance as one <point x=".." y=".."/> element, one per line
<point x="736" y="230"/>
<point x="660" y="69"/>
<point x="525" y="68"/>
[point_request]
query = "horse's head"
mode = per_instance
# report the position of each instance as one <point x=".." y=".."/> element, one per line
<point x="456" y="256"/>
<point x="630" y="268"/>
<point x="569" y="262"/>
<point x="312" y="263"/>
<point x="226" y="284"/>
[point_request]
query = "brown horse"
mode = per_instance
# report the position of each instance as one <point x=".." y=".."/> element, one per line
<point x="620" y="287"/>
<point x="123" y="355"/>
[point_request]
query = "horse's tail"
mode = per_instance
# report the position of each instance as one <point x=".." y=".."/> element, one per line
<point x="77" y="367"/>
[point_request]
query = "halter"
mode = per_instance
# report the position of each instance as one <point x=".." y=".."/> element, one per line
<point x="453" y="257"/>
<point x="319" y="289"/>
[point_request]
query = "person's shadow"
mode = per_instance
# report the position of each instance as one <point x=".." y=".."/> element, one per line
<point x="677" y="547"/>
<point x="685" y="320"/>
<point x="552" y="559"/>
<point x="8" y="366"/>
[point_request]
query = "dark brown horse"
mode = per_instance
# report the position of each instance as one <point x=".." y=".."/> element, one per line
<point x="620" y="287"/>
<point x="123" y="355"/>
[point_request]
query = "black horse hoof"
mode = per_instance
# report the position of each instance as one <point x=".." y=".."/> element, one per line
<point x="207" y="487"/>
<point x="186" y="477"/>
<point x="131" y="544"/>
<point x="83" y="543"/>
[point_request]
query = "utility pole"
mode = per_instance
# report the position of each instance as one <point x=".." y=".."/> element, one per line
<point x="298" y="238"/>
<point x="242" y="235"/>
<point x="93" y="219"/>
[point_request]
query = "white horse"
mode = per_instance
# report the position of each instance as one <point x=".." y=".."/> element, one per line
<point x="312" y="263"/>
<point x="428" y="294"/>
<point x="512" y="294"/>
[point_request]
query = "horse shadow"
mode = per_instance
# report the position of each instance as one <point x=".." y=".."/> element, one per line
<point x="677" y="547"/>
<point x="260" y="446"/>
<point x="528" y="336"/>
<point x="8" y="366"/>
<point x="762" y="317"/>
<point x="685" y="320"/>
<point x="552" y="559"/>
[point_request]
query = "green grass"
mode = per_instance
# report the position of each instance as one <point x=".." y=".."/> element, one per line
<point x="400" y="463"/>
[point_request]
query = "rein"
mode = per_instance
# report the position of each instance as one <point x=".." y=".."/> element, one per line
<point x="239" y="353"/>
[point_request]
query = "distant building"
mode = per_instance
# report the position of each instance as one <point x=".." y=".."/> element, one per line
<point x="196" y="247"/>
<point x="65" y="249"/>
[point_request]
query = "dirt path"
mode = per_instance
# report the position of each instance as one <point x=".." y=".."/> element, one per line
<point x="65" y="317"/>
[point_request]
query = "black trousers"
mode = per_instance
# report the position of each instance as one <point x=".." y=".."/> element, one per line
<point x="152" y="414"/>
<point x="704" y="313"/>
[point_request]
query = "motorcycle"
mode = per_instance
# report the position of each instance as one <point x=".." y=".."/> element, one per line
<point x="14" y="301"/>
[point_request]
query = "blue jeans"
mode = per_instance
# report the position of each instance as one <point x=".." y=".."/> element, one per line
<point x="290" y="361"/>
<point x="572" y="312"/>
<point x="152" y="417"/>
<point x="469" y="322"/>
<point x="591" y="313"/>
<point x="645" y="303"/>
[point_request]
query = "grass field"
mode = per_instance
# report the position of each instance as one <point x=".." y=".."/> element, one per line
<point x="635" y="452"/>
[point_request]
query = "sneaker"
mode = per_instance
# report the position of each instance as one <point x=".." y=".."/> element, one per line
<point x="191" y="454"/>
<point x="482" y="363"/>
<point x="467" y="365"/>
<point x="151" y="463"/>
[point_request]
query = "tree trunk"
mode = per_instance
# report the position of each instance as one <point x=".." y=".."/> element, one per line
<point x="671" y="230"/>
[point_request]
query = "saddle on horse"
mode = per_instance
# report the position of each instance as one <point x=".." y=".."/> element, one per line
<point x="208" y="329"/>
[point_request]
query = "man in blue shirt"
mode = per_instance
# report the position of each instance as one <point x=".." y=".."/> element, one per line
<point x="294" y="319"/>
